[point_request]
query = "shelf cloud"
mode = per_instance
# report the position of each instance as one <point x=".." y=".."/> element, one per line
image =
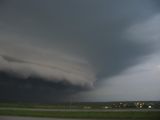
<point x="61" y="48"/>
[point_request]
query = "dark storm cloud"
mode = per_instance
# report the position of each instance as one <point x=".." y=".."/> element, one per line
<point x="89" y="36"/>
<point x="13" y="88"/>
<point x="91" y="28"/>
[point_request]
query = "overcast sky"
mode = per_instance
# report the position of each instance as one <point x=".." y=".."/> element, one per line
<point x="85" y="50"/>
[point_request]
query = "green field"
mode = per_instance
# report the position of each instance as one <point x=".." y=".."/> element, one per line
<point x="68" y="111"/>
<point x="86" y="114"/>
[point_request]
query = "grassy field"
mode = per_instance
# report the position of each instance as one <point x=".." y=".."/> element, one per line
<point x="78" y="105"/>
<point x="136" y="115"/>
<point x="86" y="114"/>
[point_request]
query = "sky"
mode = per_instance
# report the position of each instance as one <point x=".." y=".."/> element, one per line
<point x="80" y="50"/>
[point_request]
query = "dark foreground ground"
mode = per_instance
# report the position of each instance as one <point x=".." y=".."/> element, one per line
<point x="27" y="118"/>
<point x="37" y="118"/>
<point x="31" y="118"/>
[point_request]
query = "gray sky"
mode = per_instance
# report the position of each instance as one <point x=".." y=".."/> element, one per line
<point x="87" y="50"/>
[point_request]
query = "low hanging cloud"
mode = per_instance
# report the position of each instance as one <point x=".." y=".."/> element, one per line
<point x="53" y="67"/>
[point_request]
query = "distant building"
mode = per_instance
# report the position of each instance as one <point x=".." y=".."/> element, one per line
<point x="149" y="106"/>
<point x="139" y="104"/>
<point x="106" y="107"/>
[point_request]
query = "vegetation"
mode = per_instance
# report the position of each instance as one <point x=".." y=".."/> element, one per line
<point x="66" y="113"/>
<point x="81" y="114"/>
<point x="95" y="105"/>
